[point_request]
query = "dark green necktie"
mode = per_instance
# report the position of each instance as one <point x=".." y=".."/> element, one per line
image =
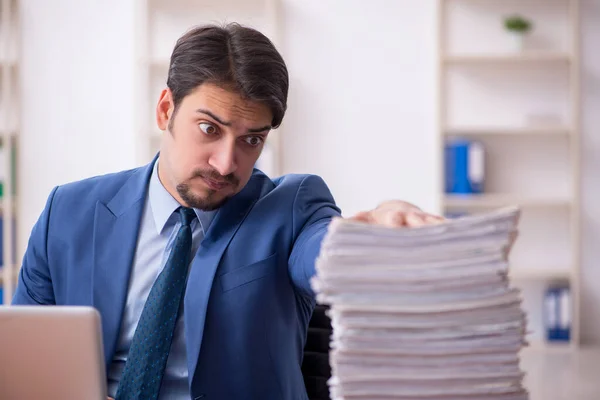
<point x="151" y="342"/>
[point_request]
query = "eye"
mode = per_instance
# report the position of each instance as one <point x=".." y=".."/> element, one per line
<point x="207" y="128"/>
<point x="254" y="141"/>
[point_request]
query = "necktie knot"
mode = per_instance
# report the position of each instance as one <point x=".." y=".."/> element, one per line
<point x="187" y="215"/>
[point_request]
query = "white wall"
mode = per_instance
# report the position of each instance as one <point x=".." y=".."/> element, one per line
<point x="77" y="96"/>
<point x="362" y="98"/>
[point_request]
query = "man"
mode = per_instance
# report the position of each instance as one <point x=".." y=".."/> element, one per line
<point x="198" y="263"/>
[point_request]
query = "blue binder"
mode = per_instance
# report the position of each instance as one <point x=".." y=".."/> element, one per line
<point x="564" y="322"/>
<point x="464" y="167"/>
<point x="557" y="313"/>
<point x="551" y="314"/>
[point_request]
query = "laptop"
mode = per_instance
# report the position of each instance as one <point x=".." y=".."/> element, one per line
<point x="51" y="352"/>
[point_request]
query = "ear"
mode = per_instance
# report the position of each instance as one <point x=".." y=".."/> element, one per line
<point x="164" y="109"/>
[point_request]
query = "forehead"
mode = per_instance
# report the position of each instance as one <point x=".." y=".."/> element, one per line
<point x="227" y="104"/>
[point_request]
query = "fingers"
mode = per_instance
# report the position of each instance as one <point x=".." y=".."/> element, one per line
<point x="399" y="205"/>
<point x="363" y="216"/>
<point x="395" y="218"/>
<point x="434" y="219"/>
<point x="380" y="217"/>
<point x="411" y="219"/>
<point x="415" y="219"/>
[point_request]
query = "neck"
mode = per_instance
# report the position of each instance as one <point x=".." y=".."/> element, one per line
<point x="167" y="184"/>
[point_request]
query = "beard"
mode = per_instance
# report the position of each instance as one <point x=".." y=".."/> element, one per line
<point x="211" y="201"/>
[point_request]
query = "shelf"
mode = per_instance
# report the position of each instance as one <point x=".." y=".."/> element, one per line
<point x="522" y="274"/>
<point x="508" y="131"/>
<point x="11" y="60"/>
<point x="502" y="200"/>
<point x="15" y="276"/>
<point x="523" y="58"/>
<point x="13" y="206"/>
<point x="546" y="346"/>
<point x="10" y="132"/>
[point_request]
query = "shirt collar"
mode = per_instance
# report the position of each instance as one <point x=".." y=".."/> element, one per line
<point x="163" y="205"/>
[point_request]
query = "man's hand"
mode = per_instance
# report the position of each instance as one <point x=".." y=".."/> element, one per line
<point x="397" y="213"/>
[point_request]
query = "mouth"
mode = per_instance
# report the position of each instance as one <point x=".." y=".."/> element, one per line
<point x="215" y="184"/>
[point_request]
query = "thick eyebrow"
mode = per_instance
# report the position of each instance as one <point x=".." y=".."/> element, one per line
<point x="220" y="120"/>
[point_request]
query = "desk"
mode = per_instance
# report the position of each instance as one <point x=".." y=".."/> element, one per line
<point x="562" y="374"/>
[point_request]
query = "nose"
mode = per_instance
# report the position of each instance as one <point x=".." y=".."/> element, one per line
<point x="223" y="158"/>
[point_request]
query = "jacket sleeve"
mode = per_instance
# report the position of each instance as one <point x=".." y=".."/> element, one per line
<point x="35" y="283"/>
<point x="314" y="207"/>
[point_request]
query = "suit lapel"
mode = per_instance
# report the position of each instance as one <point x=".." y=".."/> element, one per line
<point x="227" y="221"/>
<point x="116" y="228"/>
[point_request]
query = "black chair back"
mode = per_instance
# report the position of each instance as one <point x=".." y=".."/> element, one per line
<point x="315" y="365"/>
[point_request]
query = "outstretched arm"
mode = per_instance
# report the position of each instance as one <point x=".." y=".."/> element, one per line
<point x="314" y="207"/>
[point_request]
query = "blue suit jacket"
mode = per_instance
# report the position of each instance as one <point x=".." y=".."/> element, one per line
<point x="248" y="299"/>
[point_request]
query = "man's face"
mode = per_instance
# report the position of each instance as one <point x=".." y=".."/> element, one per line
<point x="212" y="143"/>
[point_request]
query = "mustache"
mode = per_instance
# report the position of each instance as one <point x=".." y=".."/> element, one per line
<point x="214" y="175"/>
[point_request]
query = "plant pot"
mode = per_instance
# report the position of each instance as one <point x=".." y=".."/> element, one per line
<point x="517" y="41"/>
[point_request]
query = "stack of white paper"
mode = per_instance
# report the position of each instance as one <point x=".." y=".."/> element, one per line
<point x="423" y="313"/>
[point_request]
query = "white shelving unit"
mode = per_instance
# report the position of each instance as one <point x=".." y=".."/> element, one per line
<point x="509" y="131"/>
<point x="523" y="107"/>
<point x="160" y="23"/>
<point x="496" y="200"/>
<point x="9" y="127"/>
<point x="508" y="59"/>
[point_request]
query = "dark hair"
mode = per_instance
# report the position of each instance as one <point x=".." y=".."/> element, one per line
<point x="232" y="56"/>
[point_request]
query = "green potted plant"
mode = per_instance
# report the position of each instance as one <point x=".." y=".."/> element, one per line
<point x="518" y="27"/>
